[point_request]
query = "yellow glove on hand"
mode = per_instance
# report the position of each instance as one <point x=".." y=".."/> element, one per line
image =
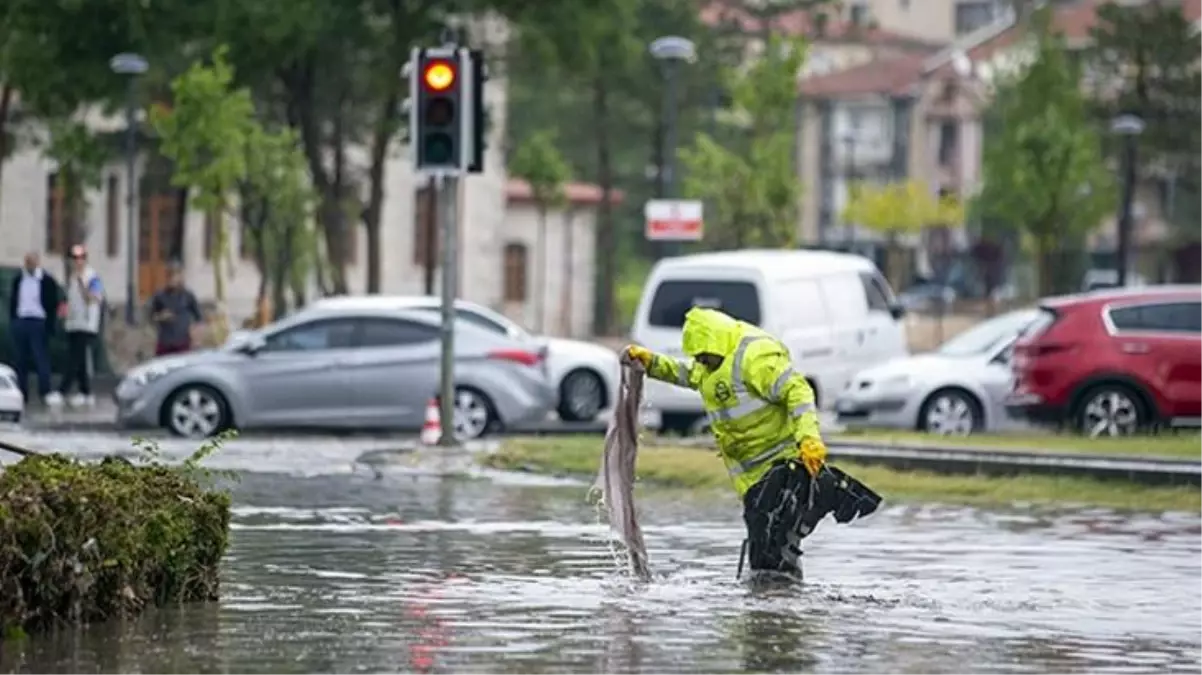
<point x="813" y="454"/>
<point x="640" y="354"/>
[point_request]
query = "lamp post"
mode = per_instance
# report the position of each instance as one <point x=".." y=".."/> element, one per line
<point x="131" y="65"/>
<point x="671" y="50"/>
<point x="1129" y="127"/>
<point x="849" y="169"/>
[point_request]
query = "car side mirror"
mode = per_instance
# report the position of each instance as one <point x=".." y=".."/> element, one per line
<point x="897" y="310"/>
<point x="252" y="345"/>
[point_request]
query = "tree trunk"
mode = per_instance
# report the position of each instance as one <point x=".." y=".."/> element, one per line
<point x="540" y="285"/>
<point x="375" y="200"/>
<point x="606" y="257"/>
<point x="565" y="296"/>
<point x="336" y="228"/>
<point x="1043" y="258"/>
<point x="6" y="99"/>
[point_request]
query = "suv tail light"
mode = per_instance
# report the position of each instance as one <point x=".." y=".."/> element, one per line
<point x="522" y="356"/>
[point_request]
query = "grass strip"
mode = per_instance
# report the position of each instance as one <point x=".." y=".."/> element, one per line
<point x="700" y="469"/>
<point x="1180" y="445"/>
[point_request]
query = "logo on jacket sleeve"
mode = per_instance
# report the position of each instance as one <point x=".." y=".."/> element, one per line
<point x="722" y="392"/>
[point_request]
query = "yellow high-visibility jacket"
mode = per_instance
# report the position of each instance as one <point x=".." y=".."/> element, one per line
<point x="759" y="407"/>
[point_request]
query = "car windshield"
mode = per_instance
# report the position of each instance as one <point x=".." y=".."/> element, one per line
<point x="988" y="335"/>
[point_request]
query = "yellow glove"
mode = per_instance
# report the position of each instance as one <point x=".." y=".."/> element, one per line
<point x="813" y="454"/>
<point x="637" y="353"/>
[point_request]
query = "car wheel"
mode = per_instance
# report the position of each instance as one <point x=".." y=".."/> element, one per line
<point x="474" y="416"/>
<point x="951" y="412"/>
<point x="196" y="411"/>
<point x="1110" y="410"/>
<point x="581" y="395"/>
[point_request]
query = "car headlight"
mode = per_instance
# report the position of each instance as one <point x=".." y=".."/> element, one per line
<point x="144" y="375"/>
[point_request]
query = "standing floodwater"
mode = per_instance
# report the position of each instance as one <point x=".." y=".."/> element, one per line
<point x="343" y="574"/>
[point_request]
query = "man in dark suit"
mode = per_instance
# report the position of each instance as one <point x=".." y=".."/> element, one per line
<point x="33" y="311"/>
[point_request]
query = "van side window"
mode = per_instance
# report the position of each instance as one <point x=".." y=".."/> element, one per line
<point x="673" y="299"/>
<point x="878" y="298"/>
<point x="845" y="297"/>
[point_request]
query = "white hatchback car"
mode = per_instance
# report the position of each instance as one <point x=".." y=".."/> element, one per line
<point x="12" y="404"/>
<point x="585" y="374"/>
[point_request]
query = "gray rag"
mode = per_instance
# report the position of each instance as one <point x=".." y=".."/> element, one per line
<point x="615" y="478"/>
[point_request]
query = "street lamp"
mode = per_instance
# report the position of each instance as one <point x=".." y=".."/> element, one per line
<point x="849" y="174"/>
<point x="131" y="65"/>
<point x="1129" y="127"/>
<point x="671" y="50"/>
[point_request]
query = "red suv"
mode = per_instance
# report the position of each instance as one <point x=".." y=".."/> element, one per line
<point x="1111" y="362"/>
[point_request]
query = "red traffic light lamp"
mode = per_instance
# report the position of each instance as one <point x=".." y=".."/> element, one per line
<point x="439" y="75"/>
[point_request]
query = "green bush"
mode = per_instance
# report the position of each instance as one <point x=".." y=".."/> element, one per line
<point x="83" y="542"/>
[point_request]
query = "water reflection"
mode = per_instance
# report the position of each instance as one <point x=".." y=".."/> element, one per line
<point x="429" y="575"/>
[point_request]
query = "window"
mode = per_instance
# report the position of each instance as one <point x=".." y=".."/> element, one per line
<point x="481" y="321"/>
<point x="112" y="230"/>
<point x="947" y="142"/>
<point x="855" y="119"/>
<point x="425" y="234"/>
<point x="1171" y="317"/>
<point x="845" y="297"/>
<point x="675" y="298"/>
<point x="515" y="273"/>
<point x="874" y="290"/>
<point x="972" y="15"/>
<point x="313" y="336"/>
<point x="394" y="333"/>
<point x="858" y="14"/>
<point x="55" y="233"/>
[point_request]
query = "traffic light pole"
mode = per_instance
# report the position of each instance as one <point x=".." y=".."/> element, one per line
<point x="448" y="194"/>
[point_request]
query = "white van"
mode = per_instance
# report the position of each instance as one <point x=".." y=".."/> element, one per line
<point x="834" y="311"/>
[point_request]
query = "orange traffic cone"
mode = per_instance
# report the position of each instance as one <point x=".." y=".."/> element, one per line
<point x="432" y="427"/>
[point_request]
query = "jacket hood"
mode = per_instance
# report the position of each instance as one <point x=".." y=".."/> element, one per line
<point x="708" y="331"/>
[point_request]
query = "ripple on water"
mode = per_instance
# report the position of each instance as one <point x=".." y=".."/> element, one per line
<point x="353" y="574"/>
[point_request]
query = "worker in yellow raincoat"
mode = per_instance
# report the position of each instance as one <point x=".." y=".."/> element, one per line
<point x="762" y="414"/>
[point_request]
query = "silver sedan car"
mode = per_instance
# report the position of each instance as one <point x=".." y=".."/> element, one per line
<point x="330" y="368"/>
<point x="958" y="389"/>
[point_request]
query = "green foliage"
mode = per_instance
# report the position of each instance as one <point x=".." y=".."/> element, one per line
<point x="83" y="542"/>
<point x="539" y="162"/>
<point x="1042" y="169"/>
<point x="204" y="134"/>
<point x="900" y="207"/>
<point x="277" y="201"/>
<point x="751" y="190"/>
<point x="1144" y="60"/>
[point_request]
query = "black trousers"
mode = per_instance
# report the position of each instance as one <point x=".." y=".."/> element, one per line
<point x="773" y="511"/>
<point x="79" y="362"/>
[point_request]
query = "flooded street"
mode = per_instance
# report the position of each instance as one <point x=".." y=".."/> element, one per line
<point x="330" y="569"/>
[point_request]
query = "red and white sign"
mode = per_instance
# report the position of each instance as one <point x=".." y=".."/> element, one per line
<point x="673" y="220"/>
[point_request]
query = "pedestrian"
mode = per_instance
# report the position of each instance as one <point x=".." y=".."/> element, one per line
<point x="33" y="310"/>
<point x="762" y="413"/>
<point x="175" y="312"/>
<point x="85" y="303"/>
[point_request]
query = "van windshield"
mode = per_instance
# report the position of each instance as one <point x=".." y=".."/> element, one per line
<point x="674" y="298"/>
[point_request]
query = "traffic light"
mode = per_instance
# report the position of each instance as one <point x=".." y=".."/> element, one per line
<point x="447" y="118"/>
<point x="437" y="91"/>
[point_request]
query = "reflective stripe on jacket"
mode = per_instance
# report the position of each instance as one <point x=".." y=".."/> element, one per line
<point x="759" y="407"/>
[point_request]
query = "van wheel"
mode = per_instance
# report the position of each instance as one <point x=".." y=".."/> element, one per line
<point x="951" y="412"/>
<point x="1110" y="410"/>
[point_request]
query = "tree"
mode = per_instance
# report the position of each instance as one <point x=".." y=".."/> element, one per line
<point x="1144" y="60"/>
<point x="539" y="162"/>
<point x="1042" y="169"/>
<point x="205" y="134"/>
<point x="752" y="191"/>
<point x="276" y="200"/>
<point x="898" y="208"/>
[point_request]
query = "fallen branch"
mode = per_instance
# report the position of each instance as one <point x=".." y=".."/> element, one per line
<point x="18" y="450"/>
